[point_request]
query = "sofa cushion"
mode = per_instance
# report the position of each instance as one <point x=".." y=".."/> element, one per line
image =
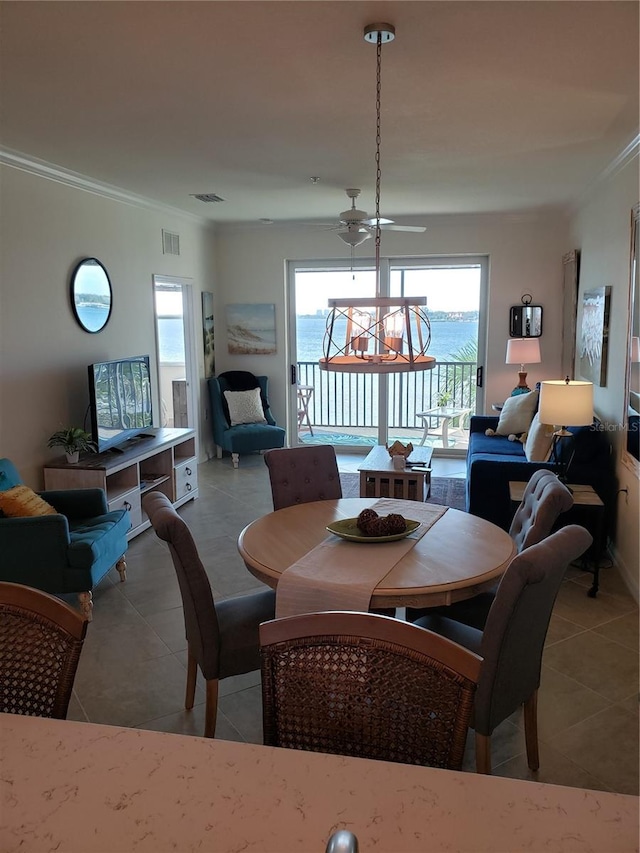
<point x="21" y="502"/>
<point x="496" y="445"/>
<point x="98" y="540"/>
<point x="245" y="407"/>
<point x="539" y="441"/>
<point x="517" y="414"/>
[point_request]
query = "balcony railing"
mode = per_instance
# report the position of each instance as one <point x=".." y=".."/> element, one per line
<point x="350" y="400"/>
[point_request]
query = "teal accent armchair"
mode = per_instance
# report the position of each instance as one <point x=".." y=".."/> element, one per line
<point x="65" y="553"/>
<point x="241" y="438"/>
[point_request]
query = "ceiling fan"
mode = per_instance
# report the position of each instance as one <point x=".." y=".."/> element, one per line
<point x="355" y="226"/>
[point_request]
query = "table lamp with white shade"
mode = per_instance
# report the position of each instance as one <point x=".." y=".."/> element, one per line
<point x="522" y="351"/>
<point x="563" y="403"/>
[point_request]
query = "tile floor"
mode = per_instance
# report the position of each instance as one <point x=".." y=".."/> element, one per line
<point x="133" y="667"/>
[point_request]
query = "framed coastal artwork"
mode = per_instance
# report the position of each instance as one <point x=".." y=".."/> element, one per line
<point x="594" y="339"/>
<point x="207" y="334"/>
<point x="251" y="329"/>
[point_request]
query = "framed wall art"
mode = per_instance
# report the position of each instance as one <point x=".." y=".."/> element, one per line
<point x="594" y="340"/>
<point x="251" y="329"/>
<point x="207" y="334"/>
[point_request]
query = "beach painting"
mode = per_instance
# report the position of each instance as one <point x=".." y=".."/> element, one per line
<point x="251" y="329"/>
<point x="207" y="334"/>
<point x="594" y="343"/>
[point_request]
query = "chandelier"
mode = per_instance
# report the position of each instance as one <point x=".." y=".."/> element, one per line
<point x="381" y="334"/>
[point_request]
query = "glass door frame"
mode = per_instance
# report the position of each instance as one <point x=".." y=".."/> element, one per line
<point x="185" y="285"/>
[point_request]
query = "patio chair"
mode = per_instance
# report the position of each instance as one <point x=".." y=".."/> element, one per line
<point x="367" y="686"/>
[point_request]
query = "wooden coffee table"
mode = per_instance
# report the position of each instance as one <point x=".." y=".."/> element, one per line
<point x="379" y="479"/>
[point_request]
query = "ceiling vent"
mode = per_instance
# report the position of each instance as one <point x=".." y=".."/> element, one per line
<point x="207" y="197"/>
<point x="170" y="243"/>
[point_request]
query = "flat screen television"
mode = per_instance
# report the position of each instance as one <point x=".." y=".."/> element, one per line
<point x="119" y="400"/>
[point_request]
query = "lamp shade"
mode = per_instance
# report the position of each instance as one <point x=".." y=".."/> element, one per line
<point x="523" y="351"/>
<point x="566" y="403"/>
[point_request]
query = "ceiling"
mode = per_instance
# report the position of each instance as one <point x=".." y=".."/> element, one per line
<point x="486" y="106"/>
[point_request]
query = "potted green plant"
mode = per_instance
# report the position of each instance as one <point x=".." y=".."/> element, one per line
<point x="73" y="441"/>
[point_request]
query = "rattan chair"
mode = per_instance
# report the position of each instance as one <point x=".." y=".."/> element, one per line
<point x="545" y="498"/>
<point x="299" y="475"/>
<point x="41" y="639"/>
<point x="512" y="642"/>
<point x="368" y="686"/>
<point x="222" y="636"/>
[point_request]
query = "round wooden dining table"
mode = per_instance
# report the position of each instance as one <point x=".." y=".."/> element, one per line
<point x="458" y="557"/>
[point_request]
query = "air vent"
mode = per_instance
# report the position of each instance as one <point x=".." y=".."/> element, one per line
<point x="170" y="243"/>
<point x="207" y="197"/>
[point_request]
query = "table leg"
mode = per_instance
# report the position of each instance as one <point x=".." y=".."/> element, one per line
<point x="425" y="432"/>
<point x="597" y="546"/>
<point x="445" y="432"/>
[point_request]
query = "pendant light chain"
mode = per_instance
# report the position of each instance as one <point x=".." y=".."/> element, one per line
<point x="378" y="171"/>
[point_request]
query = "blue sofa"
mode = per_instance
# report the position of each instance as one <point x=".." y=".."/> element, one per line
<point x="242" y="438"/>
<point x="493" y="461"/>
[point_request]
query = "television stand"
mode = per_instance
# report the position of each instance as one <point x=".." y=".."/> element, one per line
<point x="166" y="462"/>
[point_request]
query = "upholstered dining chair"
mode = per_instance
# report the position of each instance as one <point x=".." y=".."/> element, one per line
<point x="512" y="642"/>
<point x="41" y="639"/>
<point x="368" y="686"/>
<point x="545" y="498"/>
<point x="299" y="475"/>
<point x="222" y="636"/>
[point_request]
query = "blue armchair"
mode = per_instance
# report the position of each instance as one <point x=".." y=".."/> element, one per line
<point x="241" y="438"/>
<point x="69" y="552"/>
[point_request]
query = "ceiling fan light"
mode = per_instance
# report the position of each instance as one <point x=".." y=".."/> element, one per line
<point x="353" y="236"/>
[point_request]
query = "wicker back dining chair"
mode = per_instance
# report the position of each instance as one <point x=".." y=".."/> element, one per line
<point x="299" y="475"/>
<point x="544" y="499"/>
<point x="41" y="639"/>
<point x="512" y="642"/>
<point x="368" y="686"/>
<point x="222" y="637"/>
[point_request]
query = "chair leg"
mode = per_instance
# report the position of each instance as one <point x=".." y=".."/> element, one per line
<point x="483" y="754"/>
<point x="85" y="599"/>
<point x="192" y="674"/>
<point x="531" y="730"/>
<point x="121" y="566"/>
<point x="218" y="452"/>
<point x="211" y="708"/>
<point x="235" y="458"/>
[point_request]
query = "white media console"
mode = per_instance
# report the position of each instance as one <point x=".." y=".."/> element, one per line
<point x="164" y="460"/>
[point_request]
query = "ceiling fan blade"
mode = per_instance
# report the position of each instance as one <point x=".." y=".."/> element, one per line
<point x="373" y="221"/>
<point x="418" y="228"/>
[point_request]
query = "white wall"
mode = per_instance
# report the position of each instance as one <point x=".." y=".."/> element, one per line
<point x="601" y="229"/>
<point x="525" y="257"/>
<point x="46" y="229"/>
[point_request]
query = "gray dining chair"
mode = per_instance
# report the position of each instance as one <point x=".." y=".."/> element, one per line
<point x="299" y="475"/>
<point x="512" y="641"/>
<point x="545" y="498"/>
<point x="222" y="636"/>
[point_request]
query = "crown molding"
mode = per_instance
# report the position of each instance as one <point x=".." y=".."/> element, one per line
<point x="51" y="172"/>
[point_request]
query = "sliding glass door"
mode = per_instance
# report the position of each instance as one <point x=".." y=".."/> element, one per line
<point x="357" y="410"/>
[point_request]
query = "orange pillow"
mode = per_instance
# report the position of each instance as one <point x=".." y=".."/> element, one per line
<point x="21" y="501"/>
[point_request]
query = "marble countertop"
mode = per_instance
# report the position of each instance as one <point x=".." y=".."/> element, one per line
<point x="82" y="787"/>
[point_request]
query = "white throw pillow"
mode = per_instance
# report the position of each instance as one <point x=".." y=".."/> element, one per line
<point x="539" y="441"/>
<point x="517" y="413"/>
<point x="245" y="407"/>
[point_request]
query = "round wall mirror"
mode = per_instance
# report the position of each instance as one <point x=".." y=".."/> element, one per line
<point x="91" y="295"/>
